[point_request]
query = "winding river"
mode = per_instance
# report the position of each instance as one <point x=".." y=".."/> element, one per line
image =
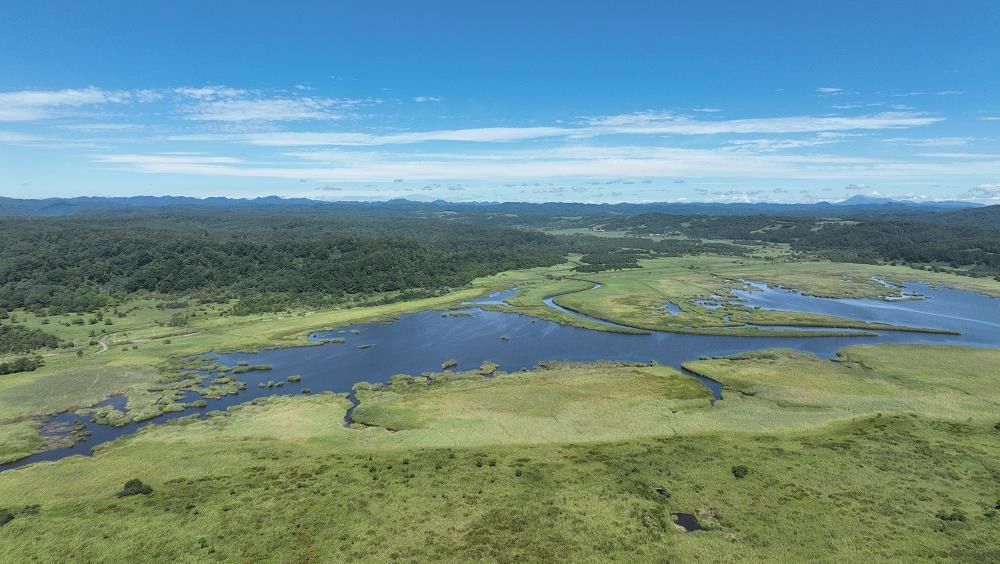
<point x="420" y="342"/>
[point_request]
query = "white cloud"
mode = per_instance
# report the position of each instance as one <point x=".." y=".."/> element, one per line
<point x="950" y="92"/>
<point x="857" y="105"/>
<point x="101" y="126"/>
<point x="642" y="123"/>
<point x="930" y="141"/>
<point x="30" y="105"/>
<point x="565" y="162"/>
<point x="772" y="145"/>
<point x="988" y="189"/>
<point x="666" y="123"/>
<point x="829" y="90"/>
<point x="302" y="139"/>
<point x="210" y="92"/>
<point x="17" y="138"/>
<point x="707" y="110"/>
<point x="990" y="118"/>
<point x="269" y="109"/>
<point x="427" y="99"/>
<point x="960" y="155"/>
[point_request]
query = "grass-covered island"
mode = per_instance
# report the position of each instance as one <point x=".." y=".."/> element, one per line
<point x="885" y="453"/>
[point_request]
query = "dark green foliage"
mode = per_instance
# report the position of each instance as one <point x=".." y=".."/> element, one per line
<point x="21" y="364"/>
<point x="17" y="339"/>
<point x="617" y="260"/>
<point x="5" y="517"/>
<point x="268" y="261"/>
<point x="954" y="515"/>
<point x="134" y="487"/>
<point x="244" y="368"/>
<point x="930" y="239"/>
<point x="740" y="471"/>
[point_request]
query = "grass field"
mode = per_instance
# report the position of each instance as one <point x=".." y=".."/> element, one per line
<point x="574" y="463"/>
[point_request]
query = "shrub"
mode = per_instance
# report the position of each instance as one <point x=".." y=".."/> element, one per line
<point x="134" y="487"/>
<point x="740" y="471"/>
<point x="451" y="363"/>
<point x="5" y="517"/>
<point x="954" y="515"/>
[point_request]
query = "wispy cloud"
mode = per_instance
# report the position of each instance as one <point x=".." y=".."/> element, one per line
<point x="666" y="123"/>
<point x="209" y="92"/>
<point x="17" y="138"/>
<point x="269" y="109"/>
<point x="930" y="141"/>
<point x="297" y="139"/>
<point x="30" y="105"/>
<point x="422" y="99"/>
<point x="952" y="155"/>
<point x="565" y="162"/>
<point x="829" y="90"/>
<point x="772" y="145"/>
<point x="641" y="123"/>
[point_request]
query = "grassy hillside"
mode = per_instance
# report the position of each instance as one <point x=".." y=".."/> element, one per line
<point x="575" y="463"/>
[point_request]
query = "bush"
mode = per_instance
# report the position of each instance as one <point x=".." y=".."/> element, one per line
<point x="134" y="487"/>
<point x="955" y="515"/>
<point x="740" y="471"/>
<point x="5" y="517"/>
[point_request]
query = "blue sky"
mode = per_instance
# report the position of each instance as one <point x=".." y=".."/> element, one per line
<point x="515" y="100"/>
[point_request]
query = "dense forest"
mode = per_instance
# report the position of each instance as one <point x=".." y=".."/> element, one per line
<point x="967" y="240"/>
<point x="271" y="259"/>
<point x="63" y="265"/>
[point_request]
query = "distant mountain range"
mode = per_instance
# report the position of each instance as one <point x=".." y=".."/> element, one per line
<point x="854" y="206"/>
<point x="860" y="200"/>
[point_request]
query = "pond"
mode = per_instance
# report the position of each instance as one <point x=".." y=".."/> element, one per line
<point x="420" y="342"/>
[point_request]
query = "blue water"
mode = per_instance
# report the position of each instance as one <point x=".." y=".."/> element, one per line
<point x="975" y="316"/>
<point x="420" y="342"/>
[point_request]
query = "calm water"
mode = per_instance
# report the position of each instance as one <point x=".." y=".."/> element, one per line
<point x="420" y="342"/>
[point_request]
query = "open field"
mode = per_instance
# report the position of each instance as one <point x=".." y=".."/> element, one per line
<point x="574" y="463"/>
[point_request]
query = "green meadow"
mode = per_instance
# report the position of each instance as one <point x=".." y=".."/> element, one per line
<point x="887" y="453"/>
